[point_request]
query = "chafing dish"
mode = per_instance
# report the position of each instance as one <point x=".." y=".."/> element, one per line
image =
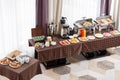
<point x="105" y="22"/>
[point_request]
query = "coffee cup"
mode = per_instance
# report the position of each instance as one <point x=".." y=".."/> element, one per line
<point x="49" y="38"/>
<point x="47" y="43"/>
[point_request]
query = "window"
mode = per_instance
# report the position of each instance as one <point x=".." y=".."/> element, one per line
<point x="17" y="17"/>
<point x="76" y="9"/>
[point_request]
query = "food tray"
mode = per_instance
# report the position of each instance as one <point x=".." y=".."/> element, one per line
<point x="64" y="42"/>
<point x="80" y="23"/>
<point x="104" y="24"/>
<point x="39" y="38"/>
<point x="12" y="55"/>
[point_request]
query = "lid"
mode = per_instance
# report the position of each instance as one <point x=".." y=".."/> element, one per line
<point x="63" y="20"/>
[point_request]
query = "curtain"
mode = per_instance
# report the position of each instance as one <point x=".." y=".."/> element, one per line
<point x="105" y="7"/>
<point x="42" y="14"/>
<point x="55" y="10"/>
<point x="77" y="9"/>
<point x="115" y="12"/>
<point x="17" y="17"/>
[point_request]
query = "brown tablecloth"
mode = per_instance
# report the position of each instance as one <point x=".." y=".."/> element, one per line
<point x="56" y="52"/>
<point x="100" y="44"/>
<point x="26" y="72"/>
<point x="59" y="51"/>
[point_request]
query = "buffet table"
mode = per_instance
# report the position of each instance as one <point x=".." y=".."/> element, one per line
<point x="59" y="51"/>
<point x="101" y="44"/>
<point x="25" y="72"/>
<point x="56" y="52"/>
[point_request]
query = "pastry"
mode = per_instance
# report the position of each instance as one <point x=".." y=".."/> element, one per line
<point x="104" y="21"/>
<point x="14" y="64"/>
<point x="109" y="20"/>
<point x="5" y="61"/>
<point x="87" y="23"/>
<point x="37" y="45"/>
<point x="99" y="22"/>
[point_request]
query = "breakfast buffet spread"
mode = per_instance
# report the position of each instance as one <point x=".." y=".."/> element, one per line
<point x="86" y="35"/>
<point x="83" y="30"/>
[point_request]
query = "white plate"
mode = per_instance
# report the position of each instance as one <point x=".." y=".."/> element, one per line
<point x="83" y="39"/>
<point x="90" y="37"/>
<point x="98" y="35"/>
<point x="106" y="34"/>
<point x="75" y="35"/>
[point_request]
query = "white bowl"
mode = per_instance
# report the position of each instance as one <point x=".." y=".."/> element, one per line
<point x="71" y="37"/>
<point x="53" y="43"/>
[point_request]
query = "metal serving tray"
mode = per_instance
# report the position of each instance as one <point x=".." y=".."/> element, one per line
<point x="105" y="26"/>
<point x="79" y="23"/>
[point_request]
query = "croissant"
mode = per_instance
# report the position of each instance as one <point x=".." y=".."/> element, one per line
<point x="14" y="63"/>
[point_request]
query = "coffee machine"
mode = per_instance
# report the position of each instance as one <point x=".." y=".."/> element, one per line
<point x="64" y="28"/>
<point x="65" y="31"/>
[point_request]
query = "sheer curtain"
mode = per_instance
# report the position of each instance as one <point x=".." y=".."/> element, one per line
<point x="54" y="12"/>
<point x="17" y="17"/>
<point x="76" y="9"/>
<point x="115" y="12"/>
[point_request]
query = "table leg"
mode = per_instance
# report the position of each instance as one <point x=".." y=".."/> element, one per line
<point x="55" y="63"/>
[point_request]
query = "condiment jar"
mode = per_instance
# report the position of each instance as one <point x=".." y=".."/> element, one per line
<point x="82" y="32"/>
<point x="49" y="38"/>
